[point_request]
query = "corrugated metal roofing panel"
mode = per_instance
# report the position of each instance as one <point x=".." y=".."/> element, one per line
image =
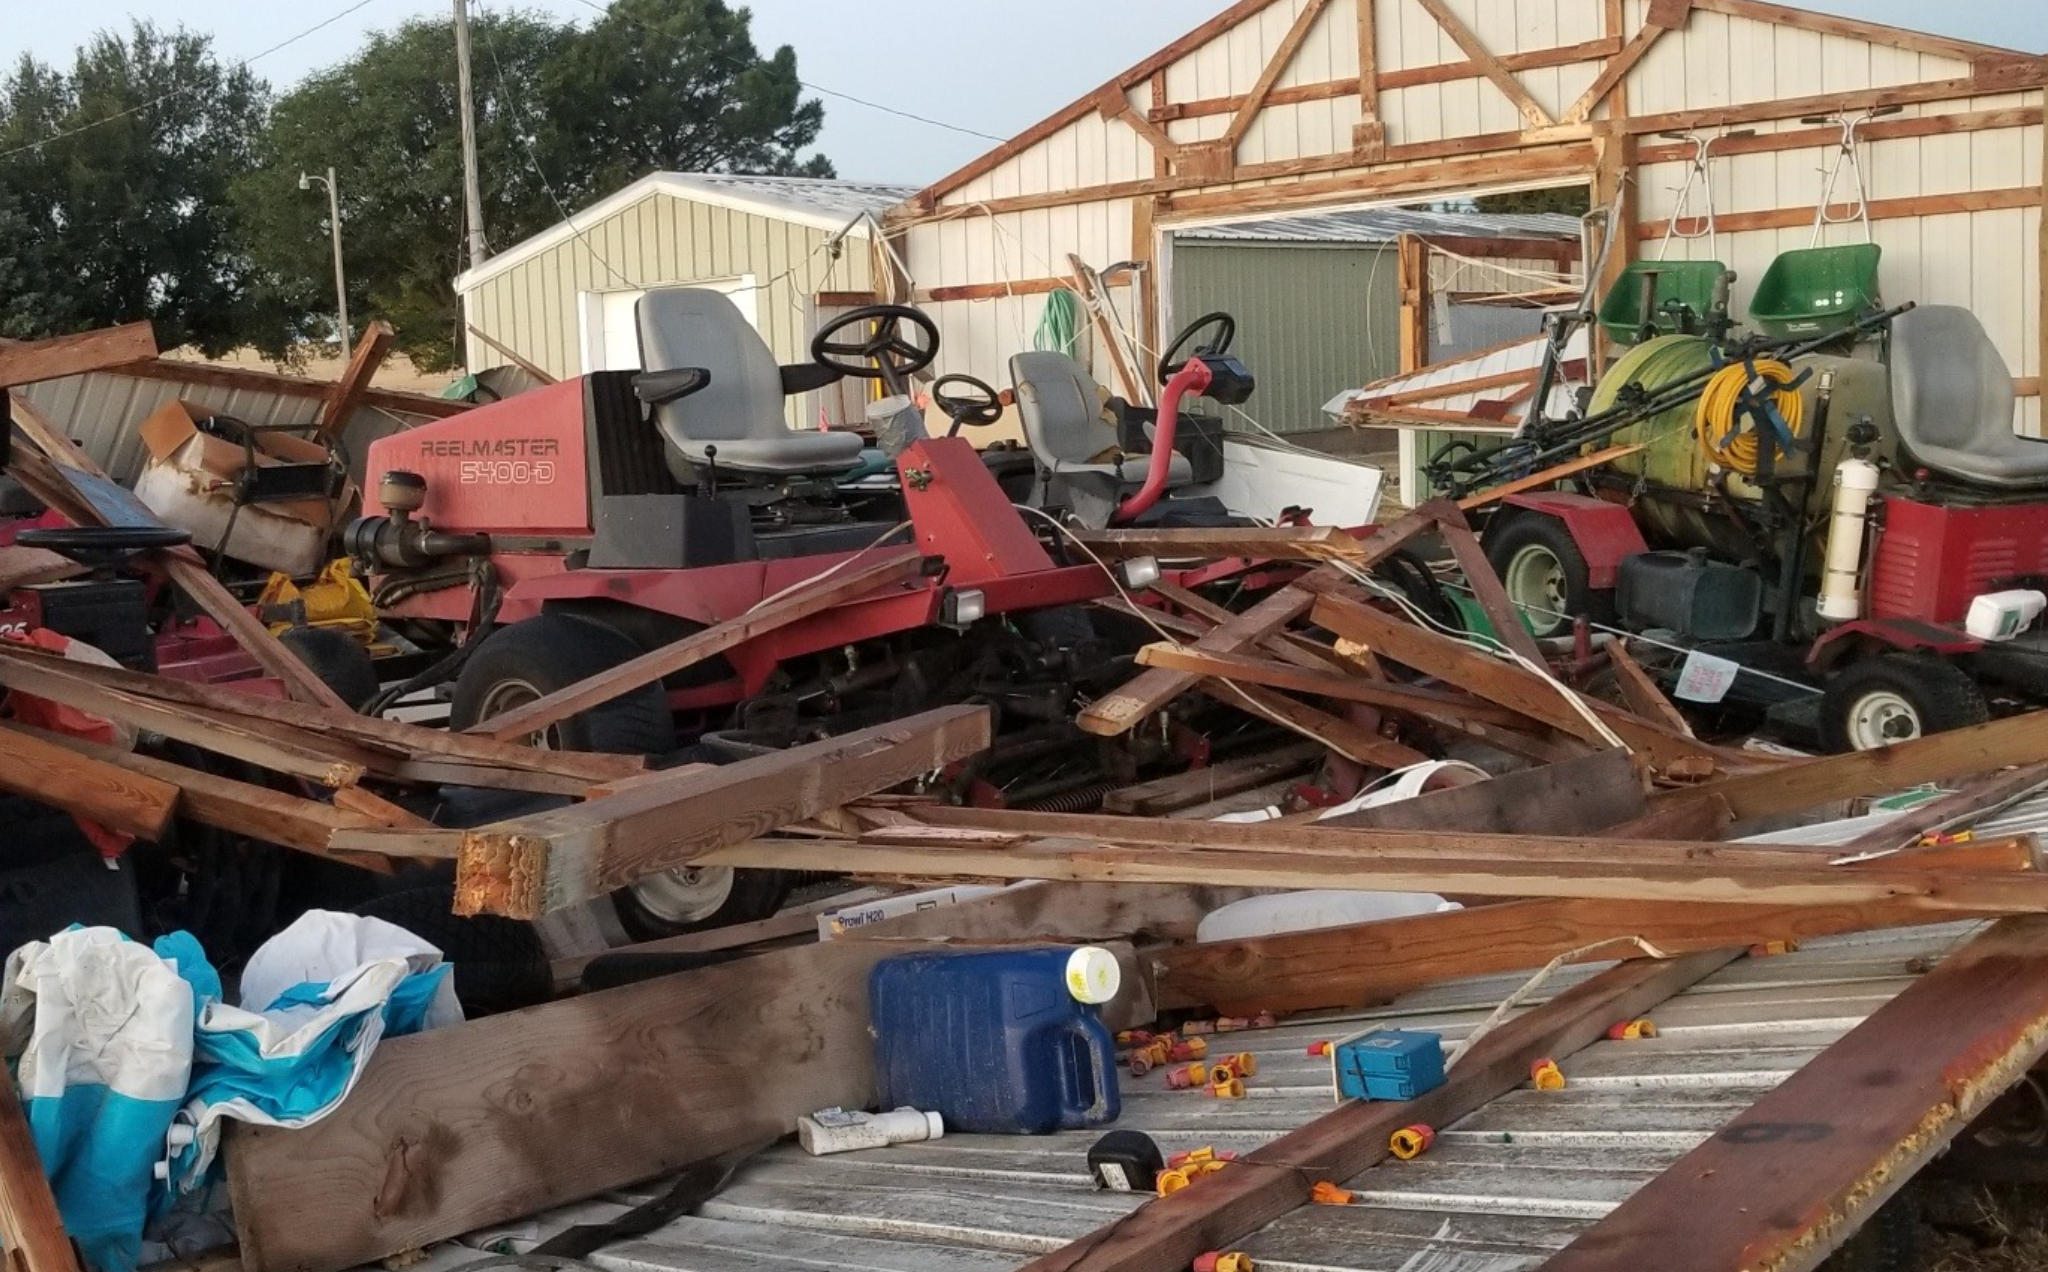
<point x="1384" y="225"/>
<point x="1502" y="1189"/>
<point x="830" y="196"/>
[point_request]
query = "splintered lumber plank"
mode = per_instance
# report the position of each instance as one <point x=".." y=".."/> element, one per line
<point x="1240" y="669"/>
<point x="1643" y="696"/>
<point x="1549" y="476"/>
<point x="1943" y="757"/>
<point x="116" y="798"/>
<point x="1165" y="795"/>
<point x="1323" y="839"/>
<point x="25" y="567"/>
<point x="31" y="1229"/>
<point x="30" y="361"/>
<point x="1575" y="797"/>
<point x="1201" y="614"/>
<point x="56" y="485"/>
<point x="1977" y="798"/>
<point x="1341" y="736"/>
<point x="1257" y="543"/>
<point x="1121" y="711"/>
<point x="243" y="741"/>
<point x="1703" y="818"/>
<point x="813" y="598"/>
<point x="526" y="867"/>
<point x="1489" y="592"/>
<point x="1499" y="682"/>
<point x="262" y="814"/>
<point x="342" y="724"/>
<point x="1931" y="889"/>
<point x="511" y="355"/>
<point x="1794" y="1175"/>
<point x="1168" y="1234"/>
<point x="346" y="398"/>
<point x="492" y="1120"/>
<point x="1365" y="964"/>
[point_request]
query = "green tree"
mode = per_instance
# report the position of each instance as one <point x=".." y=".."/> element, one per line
<point x="114" y="181"/>
<point x="1570" y="200"/>
<point x="564" y="117"/>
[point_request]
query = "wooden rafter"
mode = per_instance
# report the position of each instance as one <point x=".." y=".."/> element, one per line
<point x="1854" y="29"/>
<point x="347" y="395"/>
<point x="1532" y="113"/>
<point x="1613" y="74"/>
<point x="1113" y="103"/>
<point x="1880" y="210"/>
<point x="1283" y="57"/>
<point x="1369" y="138"/>
<point x="26" y="362"/>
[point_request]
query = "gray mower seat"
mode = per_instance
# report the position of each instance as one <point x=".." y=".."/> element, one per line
<point x="740" y="411"/>
<point x="1952" y="396"/>
<point x="1061" y="407"/>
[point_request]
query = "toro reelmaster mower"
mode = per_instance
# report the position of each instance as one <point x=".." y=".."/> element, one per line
<point x="549" y="538"/>
<point x="1838" y="503"/>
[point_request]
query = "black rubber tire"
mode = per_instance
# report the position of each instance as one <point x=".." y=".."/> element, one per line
<point x="756" y="894"/>
<point x="342" y="665"/>
<point x="553" y="651"/>
<point x="500" y="964"/>
<point x="1941" y="695"/>
<point x="1511" y="534"/>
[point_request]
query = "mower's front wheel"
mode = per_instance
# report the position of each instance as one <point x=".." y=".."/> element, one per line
<point x="1896" y="698"/>
<point x="531" y="659"/>
<point x="1544" y="572"/>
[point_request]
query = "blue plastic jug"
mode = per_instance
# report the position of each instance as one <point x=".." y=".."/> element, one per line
<point x="993" y="1042"/>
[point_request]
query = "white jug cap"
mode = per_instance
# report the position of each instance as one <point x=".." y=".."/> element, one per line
<point x="1093" y="975"/>
<point x="936" y="1125"/>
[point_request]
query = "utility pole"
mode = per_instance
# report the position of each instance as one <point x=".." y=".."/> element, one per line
<point x="306" y="181"/>
<point x="472" y="193"/>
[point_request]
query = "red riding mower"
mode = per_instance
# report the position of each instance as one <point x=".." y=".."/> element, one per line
<point x="553" y="536"/>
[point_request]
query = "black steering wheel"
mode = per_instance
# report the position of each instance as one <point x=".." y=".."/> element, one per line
<point x="883" y="354"/>
<point x="102" y="547"/>
<point x="1171" y="364"/>
<point x="981" y="407"/>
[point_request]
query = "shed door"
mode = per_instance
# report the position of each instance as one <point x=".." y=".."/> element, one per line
<point x="611" y="334"/>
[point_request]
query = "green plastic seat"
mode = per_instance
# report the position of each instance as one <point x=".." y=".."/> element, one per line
<point x="1683" y="293"/>
<point x="1817" y="290"/>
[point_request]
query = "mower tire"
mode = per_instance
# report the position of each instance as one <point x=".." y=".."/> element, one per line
<point x="533" y="658"/>
<point x="1544" y="572"/>
<point x="1875" y="702"/>
<point x="540" y="655"/>
<point x="500" y="964"/>
<point x="340" y="663"/>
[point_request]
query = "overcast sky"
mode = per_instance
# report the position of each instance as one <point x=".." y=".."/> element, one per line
<point x="982" y="65"/>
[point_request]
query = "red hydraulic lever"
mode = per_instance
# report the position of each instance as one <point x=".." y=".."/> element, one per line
<point x="1192" y="378"/>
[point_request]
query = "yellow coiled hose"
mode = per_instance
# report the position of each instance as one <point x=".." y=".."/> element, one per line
<point x="1722" y="435"/>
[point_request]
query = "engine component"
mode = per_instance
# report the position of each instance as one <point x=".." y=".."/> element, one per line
<point x="398" y="541"/>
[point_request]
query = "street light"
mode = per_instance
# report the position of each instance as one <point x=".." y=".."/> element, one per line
<point x="306" y="181"/>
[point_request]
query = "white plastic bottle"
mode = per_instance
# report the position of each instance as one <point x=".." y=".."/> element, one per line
<point x="845" y="1130"/>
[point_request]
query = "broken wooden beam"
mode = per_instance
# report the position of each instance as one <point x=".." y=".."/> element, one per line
<point x="30" y="361"/>
<point x="1975" y="799"/>
<point x="346" y="397"/>
<point x="1240" y="669"/>
<point x="1163" y="795"/>
<point x="109" y="794"/>
<point x="961" y="854"/>
<point x="1364" y="964"/>
<point x="805" y="601"/>
<point x="1167" y="1234"/>
<point x="1353" y="742"/>
<point x="31" y="1229"/>
<point x="485" y="1122"/>
<point x="1794" y="1174"/>
<point x="342" y="725"/>
<point x="526" y="867"/>
<point x="1940" y="757"/>
<point x="1582" y="796"/>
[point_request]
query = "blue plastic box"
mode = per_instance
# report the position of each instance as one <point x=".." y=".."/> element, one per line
<point x="1390" y="1064"/>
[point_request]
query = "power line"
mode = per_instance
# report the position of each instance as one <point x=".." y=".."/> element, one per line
<point x="815" y="88"/>
<point x="180" y="92"/>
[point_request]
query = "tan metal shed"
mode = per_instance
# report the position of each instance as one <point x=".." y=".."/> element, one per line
<point x="785" y="248"/>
